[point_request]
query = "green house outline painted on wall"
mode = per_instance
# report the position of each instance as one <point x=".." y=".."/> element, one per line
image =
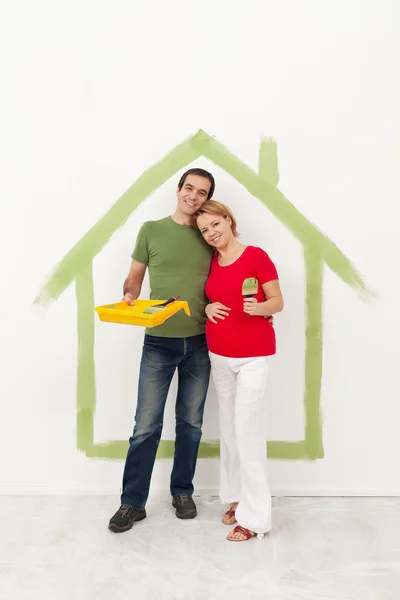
<point x="318" y="249"/>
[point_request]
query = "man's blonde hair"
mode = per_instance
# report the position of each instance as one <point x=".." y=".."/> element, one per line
<point x="212" y="207"/>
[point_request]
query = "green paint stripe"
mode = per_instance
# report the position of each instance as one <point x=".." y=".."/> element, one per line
<point x="86" y="382"/>
<point x="117" y="450"/>
<point x="268" y="162"/>
<point x="209" y="449"/>
<point x="313" y="353"/>
<point x="305" y="231"/>
<point x="287" y="450"/>
<point x="97" y="237"/>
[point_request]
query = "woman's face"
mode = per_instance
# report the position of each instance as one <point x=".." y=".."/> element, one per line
<point x="216" y="230"/>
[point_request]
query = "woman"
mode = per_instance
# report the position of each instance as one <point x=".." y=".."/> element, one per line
<point x="240" y="338"/>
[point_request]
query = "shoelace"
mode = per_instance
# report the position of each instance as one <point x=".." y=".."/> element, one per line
<point x="125" y="509"/>
<point x="183" y="498"/>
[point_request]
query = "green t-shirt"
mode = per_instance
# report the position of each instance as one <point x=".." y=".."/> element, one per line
<point x="179" y="263"/>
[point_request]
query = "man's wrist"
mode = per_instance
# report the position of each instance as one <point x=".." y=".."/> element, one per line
<point x="130" y="291"/>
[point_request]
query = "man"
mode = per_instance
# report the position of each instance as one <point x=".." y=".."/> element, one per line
<point x="178" y="260"/>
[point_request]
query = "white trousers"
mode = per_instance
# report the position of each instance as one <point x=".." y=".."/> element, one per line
<point x="240" y="385"/>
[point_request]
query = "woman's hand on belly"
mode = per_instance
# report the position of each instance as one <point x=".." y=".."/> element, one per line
<point x="216" y="310"/>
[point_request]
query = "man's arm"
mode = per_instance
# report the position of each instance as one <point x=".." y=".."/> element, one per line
<point x="133" y="283"/>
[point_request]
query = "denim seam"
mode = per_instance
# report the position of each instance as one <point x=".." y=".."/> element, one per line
<point x="134" y="506"/>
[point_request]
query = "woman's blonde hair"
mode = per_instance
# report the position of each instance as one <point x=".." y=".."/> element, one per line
<point x="212" y="207"/>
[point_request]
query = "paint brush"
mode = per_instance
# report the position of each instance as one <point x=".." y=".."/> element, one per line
<point x="152" y="310"/>
<point x="250" y="287"/>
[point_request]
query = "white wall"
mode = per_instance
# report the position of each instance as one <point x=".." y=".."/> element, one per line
<point x="94" y="93"/>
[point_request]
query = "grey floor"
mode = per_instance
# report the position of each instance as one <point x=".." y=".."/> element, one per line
<point x="56" y="548"/>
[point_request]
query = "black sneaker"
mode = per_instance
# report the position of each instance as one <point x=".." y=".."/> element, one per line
<point x="184" y="505"/>
<point x="125" y="517"/>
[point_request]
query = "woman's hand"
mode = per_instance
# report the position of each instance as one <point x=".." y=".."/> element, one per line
<point x="216" y="310"/>
<point x="252" y="307"/>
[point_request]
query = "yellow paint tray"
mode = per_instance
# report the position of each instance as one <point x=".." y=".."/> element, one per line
<point x="121" y="312"/>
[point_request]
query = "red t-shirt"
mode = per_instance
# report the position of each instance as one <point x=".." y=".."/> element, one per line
<point x="240" y="335"/>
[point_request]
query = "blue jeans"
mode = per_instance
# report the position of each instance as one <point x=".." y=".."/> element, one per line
<point x="160" y="358"/>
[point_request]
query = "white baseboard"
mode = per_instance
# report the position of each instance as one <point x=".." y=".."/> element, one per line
<point x="64" y="491"/>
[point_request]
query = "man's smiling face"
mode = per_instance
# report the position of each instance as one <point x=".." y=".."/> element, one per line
<point x="193" y="194"/>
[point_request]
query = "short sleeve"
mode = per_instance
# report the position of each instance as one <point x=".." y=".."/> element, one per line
<point x="264" y="267"/>
<point x="141" y="250"/>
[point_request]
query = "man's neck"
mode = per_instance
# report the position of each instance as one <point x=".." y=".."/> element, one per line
<point x="181" y="218"/>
